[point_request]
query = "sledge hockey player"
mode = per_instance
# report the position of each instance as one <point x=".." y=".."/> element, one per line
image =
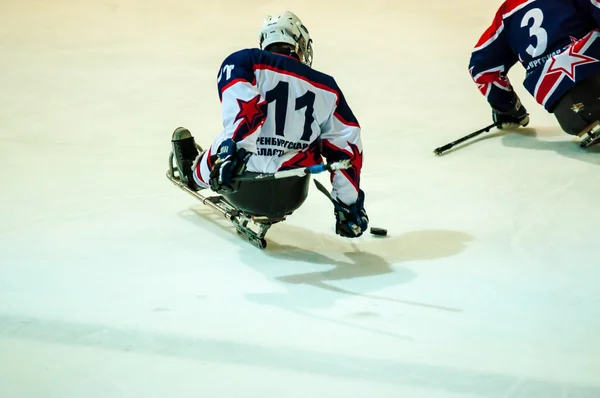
<point x="558" y="44"/>
<point x="278" y="114"/>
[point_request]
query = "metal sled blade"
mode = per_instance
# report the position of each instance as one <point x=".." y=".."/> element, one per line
<point x="214" y="202"/>
<point x="218" y="203"/>
<point x="593" y="135"/>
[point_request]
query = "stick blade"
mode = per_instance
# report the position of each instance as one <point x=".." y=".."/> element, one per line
<point x="442" y="149"/>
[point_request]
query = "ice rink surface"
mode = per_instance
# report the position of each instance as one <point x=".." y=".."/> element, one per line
<point x="113" y="283"/>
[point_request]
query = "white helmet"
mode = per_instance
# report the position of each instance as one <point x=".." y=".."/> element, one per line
<point x="287" y="28"/>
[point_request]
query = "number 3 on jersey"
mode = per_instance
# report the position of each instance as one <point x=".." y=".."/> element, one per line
<point x="279" y="94"/>
<point x="536" y="30"/>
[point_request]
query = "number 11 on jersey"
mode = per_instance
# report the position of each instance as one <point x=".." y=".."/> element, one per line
<point x="279" y="94"/>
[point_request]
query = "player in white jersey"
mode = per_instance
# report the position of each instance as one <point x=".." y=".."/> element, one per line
<point x="278" y="114"/>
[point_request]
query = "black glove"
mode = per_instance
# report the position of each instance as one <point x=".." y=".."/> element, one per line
<point x="351" y="220"/>
<point x="230" y="163"/>
<point x="513" y="118"/>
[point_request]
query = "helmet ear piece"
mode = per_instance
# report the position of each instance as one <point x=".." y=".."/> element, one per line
<point x="308" y="54"/>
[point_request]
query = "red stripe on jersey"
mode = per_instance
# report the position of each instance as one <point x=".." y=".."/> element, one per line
<point x="511" y="6"/>
<point x="208" y="161"/>
<point x="485" y="88"/>
<point x="547" y="84"/>
<point x="335" y="148"/>
<point x="251" y="130"/>
<point x="286" y="72"/>
<point x="356" y="158"/>
<point x="236" y="81"/>
<point x="349" y="178"/>
<point x="199" y="164"/>
<point x="344" y="121"/>
<point x="307" y="158"/>
<point x="492" y="32"/>
<point x="508" y="8"/>
<point x="198" y="170"/>
<point x="495" y="77"/>
<point x="486" y="79"/>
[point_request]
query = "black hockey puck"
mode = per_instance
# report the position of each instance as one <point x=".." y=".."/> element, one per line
<point x="378" y="231"/>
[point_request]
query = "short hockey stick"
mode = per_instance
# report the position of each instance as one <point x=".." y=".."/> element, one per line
<point x="442" y="149"/>
<point x="374" y="230"/>
<point x="299" y="172"/>
<point x="324" y="190"/>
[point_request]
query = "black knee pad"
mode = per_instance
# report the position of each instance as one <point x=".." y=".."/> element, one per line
<point x="270" y="198"/>
<point x="580" y="107"/>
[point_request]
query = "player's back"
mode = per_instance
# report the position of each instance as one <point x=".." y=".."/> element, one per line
<point x="537" y="29"/>
<point x="296" y="94"/>
<point x="293" y="103"/>
<point x="556" y="41"/>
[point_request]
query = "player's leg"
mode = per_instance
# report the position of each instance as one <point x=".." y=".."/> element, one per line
<point x="186" y="153"/>
<point x="579" y="109"/>
<point x="194" y="163"/>
<point x="203" y="166"/>
<point x="270" y="198"/>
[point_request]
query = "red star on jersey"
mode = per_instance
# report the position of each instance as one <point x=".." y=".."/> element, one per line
<point x="484" y="88"/>
<point x="566" y="62"/>
<point x="487" y="79"/>
<point x="356" y="156"/>
<point x="251" y="111"/>
<point x="353" y="173"/>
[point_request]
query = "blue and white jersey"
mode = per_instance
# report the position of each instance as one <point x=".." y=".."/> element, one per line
<point x="287" y="115"/>
<point x="556" y="41"/>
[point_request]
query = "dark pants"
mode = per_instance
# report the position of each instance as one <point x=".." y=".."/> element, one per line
<point x="270" y="198"/>
<point x="580" y="107"/>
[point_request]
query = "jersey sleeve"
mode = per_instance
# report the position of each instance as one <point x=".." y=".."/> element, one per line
<point x="243" y="109"/>
<point x="490" y="62"/>
<point x="341" y="140"/>
<point x="591" y="6"/>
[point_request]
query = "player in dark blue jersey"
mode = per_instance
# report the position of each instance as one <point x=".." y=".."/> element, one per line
<point x="278" y="114"/>
<point x="558" y="44"/>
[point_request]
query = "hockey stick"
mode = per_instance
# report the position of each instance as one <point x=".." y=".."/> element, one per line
<point x="373" y="230"/>
<point x="442" y="149"/>
<point x="324" y="190"/>
<point x="299" y="172"/>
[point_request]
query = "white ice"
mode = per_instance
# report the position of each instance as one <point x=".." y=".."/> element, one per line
<point x="114" y="283"/>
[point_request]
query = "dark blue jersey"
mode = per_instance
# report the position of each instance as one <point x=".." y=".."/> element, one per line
<point x="556" y="41"/>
